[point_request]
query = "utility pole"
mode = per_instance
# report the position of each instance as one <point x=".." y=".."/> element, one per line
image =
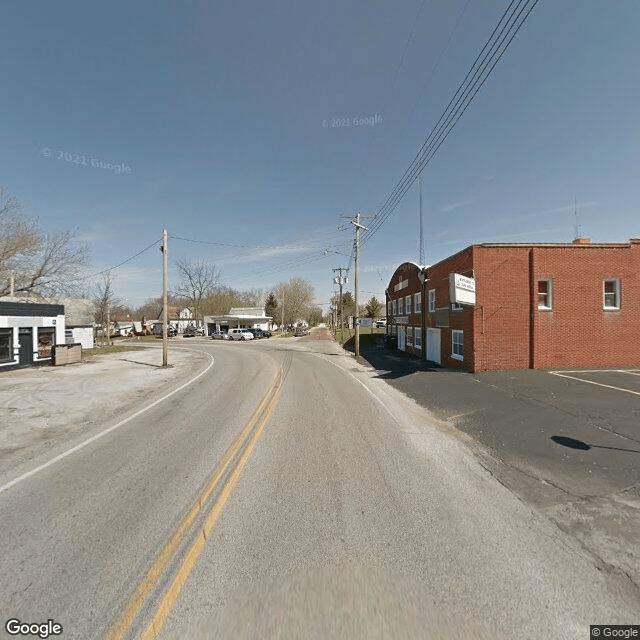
<point x="165" y="296"/>
<point x="340" y="281"/>
<point x="282" y="314"/>
<point x="108" y="308"/>
<point x="358" y="226"/>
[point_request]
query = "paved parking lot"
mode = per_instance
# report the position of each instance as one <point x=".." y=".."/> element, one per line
<point x="567" y="442"/>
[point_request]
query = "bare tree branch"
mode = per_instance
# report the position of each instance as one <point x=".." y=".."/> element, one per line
<point x="40" y="263"/>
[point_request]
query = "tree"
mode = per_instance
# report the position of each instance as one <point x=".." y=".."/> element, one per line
<point x="197" y="281"/>
<point x="271" y="308"/>
<point x="373" y="308"/>
<point x="348" y="304"/>
<point x="314" y="315"/>
<point x="298" y="296"/>
<point x="37" y="261"/>
<point x="106" y="304"/>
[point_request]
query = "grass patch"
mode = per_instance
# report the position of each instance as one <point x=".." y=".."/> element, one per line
<point x="98" y="351"/>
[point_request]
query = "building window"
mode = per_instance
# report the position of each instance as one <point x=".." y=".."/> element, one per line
<point x="394" y="307"/>
<point x="389" y="308"/>
<point x="417" y="337"/>
<point x="417" y="302"/>
<point x="457" y="344"/>
<point x="6" y="345"/>
<point x="400" y="305"/>
<point x="611" y="289"/>
<point x="45" y="341"/>
<point x="456" y="306"/>
<point x="407" y="305"/>
<point x="394" y="330"/>
<point x="410" y="336"/>
<point x="432" y="300"/>
<point x="545" y="294"/>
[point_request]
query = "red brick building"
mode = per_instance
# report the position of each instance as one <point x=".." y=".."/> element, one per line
<point x="536" y="306"/>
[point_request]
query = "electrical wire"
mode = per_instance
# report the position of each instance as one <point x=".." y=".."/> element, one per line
<point x="99" y="273"/>
<point x="508" y="26"/>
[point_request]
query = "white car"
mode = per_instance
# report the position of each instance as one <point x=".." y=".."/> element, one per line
<point x="240" y="334"/>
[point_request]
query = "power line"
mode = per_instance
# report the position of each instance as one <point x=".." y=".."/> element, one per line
<point x="99" y="273"/>
<point x="508" y="26"/>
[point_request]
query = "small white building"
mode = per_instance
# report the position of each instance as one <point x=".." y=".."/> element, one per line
<point x="78" y="313"/>
<point x="238" y="318"/>
<point x="28" y="332"/>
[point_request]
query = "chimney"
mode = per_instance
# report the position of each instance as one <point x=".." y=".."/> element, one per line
<point x="582" y="241"/>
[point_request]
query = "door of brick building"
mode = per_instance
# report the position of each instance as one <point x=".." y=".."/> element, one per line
<point x="402" y="338"/>
<point x="433" y="345"/>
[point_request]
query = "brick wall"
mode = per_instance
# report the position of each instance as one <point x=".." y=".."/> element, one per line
<point x="512" y="333"/>
<point x="462" y="320"/>
<point x="406" y="273"/>
<point x="578" y="331"/>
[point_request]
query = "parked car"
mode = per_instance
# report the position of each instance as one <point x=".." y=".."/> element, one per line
<point x="157" y="331"/>
<point x="257" y="333"/>
<point x="266" y="333"/>
<point x="301" y="331"/>
<point x="380" y="324"/>
<point x="219" y="335"/>
<point x="189" y="331"/>
<point x="240" y="334"/>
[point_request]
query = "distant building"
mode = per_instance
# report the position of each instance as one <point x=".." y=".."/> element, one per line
<point x="79" y="320"/>
<point x="237" y="318"/>
<point x="536" y="306"/>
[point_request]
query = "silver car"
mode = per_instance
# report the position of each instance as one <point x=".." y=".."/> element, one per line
<point x="240" y="334"/>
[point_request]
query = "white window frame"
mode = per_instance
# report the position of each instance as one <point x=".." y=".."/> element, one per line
<point x="409" y="336"/>
<point x="456" y="306"/>
<point x="548" y="295"/>
<point x="417" y="337"/>
<point x="616" y="293"/>
<point x="394" y="307"/>
<point x="389" y="308"/>
<point x="400" y="306"/>
<point x="407" y="305"/>
<point x="432" y="300"/>
<point x="455" y="333"/>
<point x="417" y="302"/>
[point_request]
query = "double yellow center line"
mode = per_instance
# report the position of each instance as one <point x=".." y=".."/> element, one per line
<point x="239" y="451"/>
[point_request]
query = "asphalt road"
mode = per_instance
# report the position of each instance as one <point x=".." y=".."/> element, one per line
<point x="290" y="493"/>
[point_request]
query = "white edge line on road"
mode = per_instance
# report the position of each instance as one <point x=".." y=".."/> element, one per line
<point x="598" y="384"/>
<point x="373" y="395"/>
<point x="24" y="476"/>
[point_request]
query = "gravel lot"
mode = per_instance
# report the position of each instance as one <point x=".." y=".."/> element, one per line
<point x="45" y="408"/>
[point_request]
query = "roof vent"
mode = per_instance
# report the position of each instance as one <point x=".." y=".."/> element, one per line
<point x="582" y="241"/>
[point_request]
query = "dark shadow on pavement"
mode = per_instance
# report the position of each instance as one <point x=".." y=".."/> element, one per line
<point x="583" y="446"/>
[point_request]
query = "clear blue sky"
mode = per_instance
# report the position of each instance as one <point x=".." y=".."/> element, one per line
<point x="217" y="112"/>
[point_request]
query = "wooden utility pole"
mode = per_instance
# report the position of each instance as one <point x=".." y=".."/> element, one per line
<point x="341" y="281"/>
<point x="358" y="226"/>
<point x="108" y="309"/>
<point x="165" y="297"/>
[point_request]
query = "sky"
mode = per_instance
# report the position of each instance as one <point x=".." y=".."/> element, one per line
<point x="251" y="131"/>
